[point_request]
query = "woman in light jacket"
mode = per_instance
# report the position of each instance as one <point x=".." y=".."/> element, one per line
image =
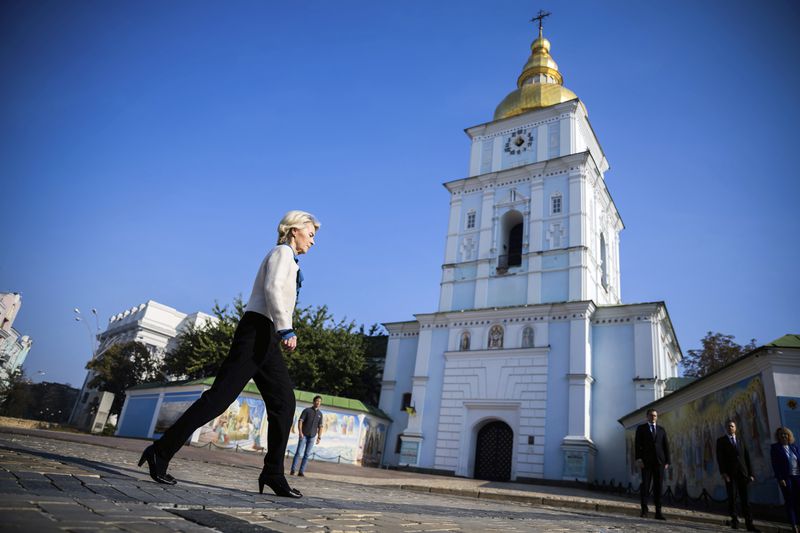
<point x="785" y="456"/>
<point x="255" y="353"/>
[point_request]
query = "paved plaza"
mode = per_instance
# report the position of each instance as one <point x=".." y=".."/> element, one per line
<point x="54" y="481"/>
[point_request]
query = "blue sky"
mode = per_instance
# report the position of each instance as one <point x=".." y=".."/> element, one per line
<point x="149" y="149"/>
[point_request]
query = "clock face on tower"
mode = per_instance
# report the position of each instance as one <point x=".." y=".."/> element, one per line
<point x="518" y="142"/>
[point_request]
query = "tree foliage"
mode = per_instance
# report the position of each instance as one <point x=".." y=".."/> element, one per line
<point x="718" y="350"/>
<point x="332" y="357"/>
<point x="122" y="366"/>
<point x="329" y="357"/>
<point x="376" y="342"/>
<point x="201" y="350"/>
<point x="15" y="394"/>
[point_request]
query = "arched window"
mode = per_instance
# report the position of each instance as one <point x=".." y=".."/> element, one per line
<point x="527" y="337"/>
<point x="496" y="336"/>
<point x="603" y="262"/>
<point x="464" y="344"/>
<point x="511" y="232"/>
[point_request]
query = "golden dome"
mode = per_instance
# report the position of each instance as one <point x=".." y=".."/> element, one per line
<point x="540" y="62"/>
<point x="539" y="85"/>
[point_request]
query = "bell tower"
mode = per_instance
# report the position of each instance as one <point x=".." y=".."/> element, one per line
<point x="533" y="222"/>
<point x="530" y="342"/>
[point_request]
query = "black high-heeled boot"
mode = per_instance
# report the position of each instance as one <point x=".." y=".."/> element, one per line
<point x="157" y="466"/>
<point x="278" y="484"/>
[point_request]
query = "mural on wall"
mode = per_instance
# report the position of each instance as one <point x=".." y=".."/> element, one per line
<point x="693" y="430"/>
<point x="373" y="438"/>
<point x="243" y="425"/>
<point x="340" y="437"/>
<point x="172" y="407"/>
<point x="347" y="438"/>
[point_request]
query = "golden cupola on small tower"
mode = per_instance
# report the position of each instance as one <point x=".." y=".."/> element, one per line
<point x="539" y="85"/>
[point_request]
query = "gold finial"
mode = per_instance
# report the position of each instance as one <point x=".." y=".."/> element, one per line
<point x="540" y="84"/>
<point x="540" y="17"/>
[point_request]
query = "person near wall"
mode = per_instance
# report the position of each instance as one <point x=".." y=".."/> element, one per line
<point x="652" y="456"/>
<point x="255" y="353"/>
<point x="785" y="455"/>
<point x="309" y="430"/>
<point x="733" y="460"/>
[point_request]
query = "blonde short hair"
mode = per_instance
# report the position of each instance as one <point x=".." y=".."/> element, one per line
<point x="294" y="219"/>
<point x="784" y="430"/>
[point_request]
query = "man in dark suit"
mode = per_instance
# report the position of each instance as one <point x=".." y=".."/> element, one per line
<point x="652" y="456"/>
<point x="734" y="465"/>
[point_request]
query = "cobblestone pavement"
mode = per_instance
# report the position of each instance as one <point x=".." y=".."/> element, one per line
<point x="49" y="484"/>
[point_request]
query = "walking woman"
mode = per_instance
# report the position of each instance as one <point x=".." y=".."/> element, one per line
<point x="785" y="456"/>
<point x="255" y="353"/>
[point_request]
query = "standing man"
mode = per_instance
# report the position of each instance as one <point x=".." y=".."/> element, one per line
<point x="652" y="456"/>
<point x="734" y="465"/>
<point x="309" y="428"/>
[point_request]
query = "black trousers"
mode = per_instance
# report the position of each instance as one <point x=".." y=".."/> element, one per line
<point x="255" y="353"/>
<point x="652" y="474"/>
<point x="738" y="485"/>
<point x="791" y="498"/>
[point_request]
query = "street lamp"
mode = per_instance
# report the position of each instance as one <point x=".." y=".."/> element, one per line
<point x="92" y="334"/>
<point x="92" y="345"/>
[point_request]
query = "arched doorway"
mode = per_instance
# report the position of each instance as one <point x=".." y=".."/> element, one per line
<point x="511" y="228"/>
<point x="493" y="452"/>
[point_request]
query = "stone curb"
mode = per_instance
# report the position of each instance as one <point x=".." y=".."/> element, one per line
<point x="580" y="504"/>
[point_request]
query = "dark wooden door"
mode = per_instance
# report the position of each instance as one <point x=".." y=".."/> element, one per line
<point x="493" y="452"/>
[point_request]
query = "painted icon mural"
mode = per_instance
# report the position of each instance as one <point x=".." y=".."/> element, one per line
<point x="347" y="437"/>
<point x="340" y="437"/>
<point x="694" y="429"/>
<point x="243" y="426"/>
<point x="373" y="438"/>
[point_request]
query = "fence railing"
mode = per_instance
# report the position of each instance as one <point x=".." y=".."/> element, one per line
<point x="241" y="449"/>
<point x="508" y="260"/>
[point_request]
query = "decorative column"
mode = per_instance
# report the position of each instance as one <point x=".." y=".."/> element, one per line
<point x="485" y="247"/>
<point x="412" y="436"/>
<point x="535" y="243"/>
<point x="450" y="253"/>
<point x="645" y="346"/>
<point x="578" y="449"/>
<point x="578" y="257"/>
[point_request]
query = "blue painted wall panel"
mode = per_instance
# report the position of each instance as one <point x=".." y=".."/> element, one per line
<point x="508" y="290"/>
<point x="138" y="416"/>
<point x="463" y="295"/>
<point x="433" y="397"/>
<point x="556" y="425"/>
<point x="612" y="366"/>
<point x="555" y="260"/>
<point x="555" y="286"/>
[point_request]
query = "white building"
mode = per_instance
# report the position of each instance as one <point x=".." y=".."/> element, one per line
<point x="531" y="357"/>
<point x="153" y="324"/>
<point x="760" y="391"/>
<point x="14" y="348"/>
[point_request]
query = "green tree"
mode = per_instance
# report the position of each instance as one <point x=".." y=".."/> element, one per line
<point x="333" y="357"/>
<point x="330" y="355"/>
<point x="122" y="366"/>
<point x="15" y="395"/>
<point x="376" y="342"/>
<point x="718" y="350"/>
<point x="201" y="350"/>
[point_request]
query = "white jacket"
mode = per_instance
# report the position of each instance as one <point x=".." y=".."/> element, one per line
<point x="274" y="292"/>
